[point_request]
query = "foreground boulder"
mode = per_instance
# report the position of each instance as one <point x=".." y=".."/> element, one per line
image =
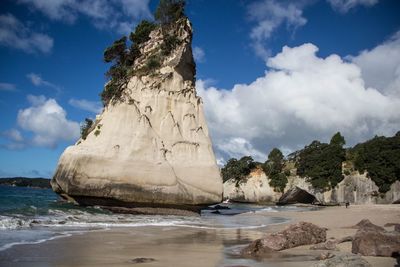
<point x="372" y="240"/>
<point x="346" y="260"/>
<point x="331" y="243"/>
<point x="302" y="233"/>
<point x="151" y="146"/>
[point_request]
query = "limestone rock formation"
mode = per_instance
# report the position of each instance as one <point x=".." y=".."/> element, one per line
<point x="150" y="147"/>
<point x="302" y="233"/>
<point x="255" y="189"/>
<point x="354" y="188"/>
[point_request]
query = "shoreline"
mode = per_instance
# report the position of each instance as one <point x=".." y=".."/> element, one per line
<point x="192" y="246"/>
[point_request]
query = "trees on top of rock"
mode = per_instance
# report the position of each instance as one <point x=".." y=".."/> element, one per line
<point x="380" y="157"/>
<point x="273" y="167"/>
<point x="322" y="163"/>
<point x="167" y="14"/>
<point x="169" y="11"/>
<point x="237" y="169"/>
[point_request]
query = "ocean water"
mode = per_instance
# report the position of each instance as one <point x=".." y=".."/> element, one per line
<point x="30" y="216"/>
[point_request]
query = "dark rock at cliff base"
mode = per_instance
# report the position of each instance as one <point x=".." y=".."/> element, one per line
<point x="296" y="195"/>
<point x="302" y="233"/>
<point x="346" y="260"/>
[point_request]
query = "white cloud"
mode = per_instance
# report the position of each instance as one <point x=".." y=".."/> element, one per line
<point x="302" y="97"/>
<point x="7" y="87"/>
<point x="198" y="54"/>
<point x="13" y="135"/>
<point x="104" y="14"/>
<point x="344" y="6"/>
<point x="16" y="35"/>
<point x="92" y="106"/>
<point x="269" y="15"/>
<point x="238" y="147"/>
<point x="37" y="80"/>
<point x="47" y="121"/>
<point x="380" y="66"/>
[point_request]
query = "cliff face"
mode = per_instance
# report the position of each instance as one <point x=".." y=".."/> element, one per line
<point x="151" y="147"/>
<point x="355" y="188"/>
<point x="255" y="189"/>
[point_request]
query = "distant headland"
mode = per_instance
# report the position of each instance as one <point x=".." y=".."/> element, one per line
<point x="26" y="182"/>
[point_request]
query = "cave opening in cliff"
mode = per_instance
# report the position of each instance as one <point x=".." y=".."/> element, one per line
<point x="297" y="195"/>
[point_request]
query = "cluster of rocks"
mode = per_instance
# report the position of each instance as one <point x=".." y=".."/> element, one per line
<point x="369" y="240"/>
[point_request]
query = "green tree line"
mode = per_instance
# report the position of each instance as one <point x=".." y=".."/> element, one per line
<point x="321" y="163"/>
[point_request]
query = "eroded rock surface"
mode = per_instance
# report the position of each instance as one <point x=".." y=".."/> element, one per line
<point x="302" y="233"/>
<point x="373" y="240"/>
<point x="254" y="189"/>
<point x="345" y="260"/>
<point x="151" y="147"/>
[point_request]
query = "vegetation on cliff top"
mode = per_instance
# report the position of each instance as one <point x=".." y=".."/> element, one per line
<point x="122" y="56"/>
<point x="26" y="182"/>
<point x="273" y="167"/>
<point x="321" y="163"/>
<point x="238" y="169"/>
<point x="380" y="157"/>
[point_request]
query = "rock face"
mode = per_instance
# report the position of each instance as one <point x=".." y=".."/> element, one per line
<point x="152" y="146"/>
<point x="302" y="233"/>
<point x="355" y="189"/>
<point x="373" y="240"/>
<point x="255" y="189"/>
<point x="331" y="243"/>
<point x="296" y="195"/>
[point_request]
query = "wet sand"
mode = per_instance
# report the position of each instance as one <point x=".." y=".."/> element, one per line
<point x="186" y="246"/>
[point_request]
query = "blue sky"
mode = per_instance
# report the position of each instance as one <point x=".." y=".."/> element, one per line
<point x="271" y="73"/>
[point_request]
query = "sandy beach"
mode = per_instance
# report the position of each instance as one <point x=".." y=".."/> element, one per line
<point x="191" y="246"/>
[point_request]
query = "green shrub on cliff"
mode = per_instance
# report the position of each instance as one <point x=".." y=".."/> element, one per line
<point x="237" y="169"/>
<point x="322" y="163"/>
<point x="85" y="128"/>
<point x="169" y="11"/>
<point x="380" y="157"/>
<point x="273" y="167"/>
<point x="123" y="58"/>
<point x="142" y="32"/>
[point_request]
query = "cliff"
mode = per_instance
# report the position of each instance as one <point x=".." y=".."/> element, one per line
<point x="151" y="146"/>
<point x="355" y="189"/>
<point x="254" y="189"/>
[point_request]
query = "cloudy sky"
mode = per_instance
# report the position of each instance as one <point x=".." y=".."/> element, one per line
<point x="271" y="73"/>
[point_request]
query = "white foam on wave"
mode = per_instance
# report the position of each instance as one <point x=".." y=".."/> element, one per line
<point x="12" y="223"/>
<point x="39" y="241"/>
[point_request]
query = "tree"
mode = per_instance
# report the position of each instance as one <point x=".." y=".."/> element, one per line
<point x="237" y="169"/>
<point x="380" y="157"/>
<point x="169" y="11"/>
<point x="273" y="168"/>
<point x="116" y="52"/>
<point x="338" y="139"/>
<point x="86" y="127"/>
<point x="142" y="32"/>
<point x="322" y="163"/>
